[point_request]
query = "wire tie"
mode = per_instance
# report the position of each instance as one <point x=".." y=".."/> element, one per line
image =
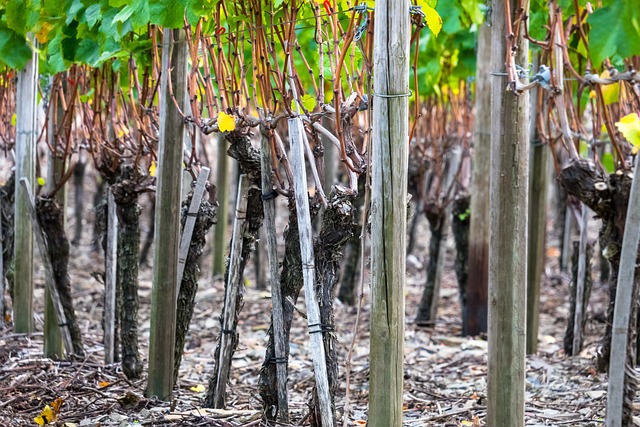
<point x="416" y="10"/>
<point x="396" y="95"/>
<point x="269" y="196"/>
<point x="228" y="331"/>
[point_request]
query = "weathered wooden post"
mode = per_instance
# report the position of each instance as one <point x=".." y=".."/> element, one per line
<point x="389" y="173"/>
<point x="474" y="315"/>
<point x="508" y="230"/>
<point x="223" y="183"/>
<point x="167" y="222"/>
<point x="26" y="134"/>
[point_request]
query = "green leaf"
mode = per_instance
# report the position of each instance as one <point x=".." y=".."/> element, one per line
<point x="88" y="52"/>
<point x="87" y="96"/>
<point x="607" y="163"/>
<point x="22" y="16"/>
<point x="14" y="50"/>
<point x="167" y="13"/>
<point x="92" y="15"/>
<point x="76" y="6"/>
<point x="615" y="31"/>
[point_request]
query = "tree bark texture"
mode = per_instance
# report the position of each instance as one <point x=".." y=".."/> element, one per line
<point x="337" y="229"/>
<point x="588" y="283"/>
<point x="436" y="225"/>
<point x="148" y="240"/>
<point x="7" y="192"/>
<point x="351" y="270"/>
<point x="460" y="221"/>
<point x="78" y="183"/>
<point x="126" y="198"/>
<point x="189" y="287"/>
<point x="248" y="158"/>
<point x="607" y="197"/>
<point x="51" y="218"/>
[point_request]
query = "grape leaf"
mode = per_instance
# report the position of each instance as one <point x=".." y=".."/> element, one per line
<point x="226" y="122"/>
<point x="629" y="126"/>
<point x="615" y="30"/>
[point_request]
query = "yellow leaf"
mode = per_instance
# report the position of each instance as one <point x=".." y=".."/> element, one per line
<point x="13" y="120"/>
<point x="629" y="126"/>
<point x="103" y="384"/>
<point x="610" y="93"/>
<point x="466" y="423"/>
<point x="41" y="181"/>
<point x="198" y="389"/>
<point x="46" y="416"/>
<point x="56" y="405"/>
<point x="152" y="169"/>
<point x="592" y="94"/>
<point x="43" y="34"/>
<point x="226" y="122"/>
<point x="434" y="21"/>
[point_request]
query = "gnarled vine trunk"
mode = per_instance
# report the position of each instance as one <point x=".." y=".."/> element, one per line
<point x="51" y="219"/>
<point x="125" y="195"/>
<point x="189" y="286"/>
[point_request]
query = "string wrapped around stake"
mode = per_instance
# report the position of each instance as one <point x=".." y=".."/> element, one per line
<point x="321" y="328"/>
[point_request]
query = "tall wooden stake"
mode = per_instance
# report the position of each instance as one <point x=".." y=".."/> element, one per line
<point x="220" y="229"/>
<point x="277" y="314"/>
<point x="110" y="277"/>
<point x="508" y="232"/>
<point x="474" y="316"/>
<point x="231" y="294"/>
<point x="538" y="183"/>
<point x="167" y="222"/>
<point x="618" y="363"/>
<point x="388" y="210"/>
<point x="26" y="134"/>
<point x="308" y="270"/>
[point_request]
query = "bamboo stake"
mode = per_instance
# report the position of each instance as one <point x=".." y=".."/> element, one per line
<point x="618" y="367"/>
<point x="46" y="261"/>
<point x="2" y="282"/>
<point x="277" y="315"/>
<point x="111" y="265"/>
<point x="308" y="270"/>
<point x="190" y="223"/>
<point x="231" y="294"/>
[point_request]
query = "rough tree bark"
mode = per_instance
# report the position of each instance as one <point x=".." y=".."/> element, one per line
<point x="78" y="183"/>
<point x="436" y="217"/>
<point x="126" y="197"/>
<point x="248" y="158"/>
<point x="337" y="229"/>
<point x="189" y="287"/>
<point x="460" y="221"/>
<point x="607" y="197"/>
<point x="51" y="219"/>
<point x="7" y="192"/>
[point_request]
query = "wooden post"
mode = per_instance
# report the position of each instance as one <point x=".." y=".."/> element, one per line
<point x="46" y="261"/>
<point x="26" y="134"/>
<point x="618" y="366"/>
<point x="220" y="230"/>
<point x="388" y="210"/>
<point x="474" y="316"/>
<point x="111" y="265"/>
<point x="194" y="207"/>
<point x="508" y="232"/>
<point x="52" y="338"/>
<point x="167" y="222"/>
<point x="277" y="313"/>
<point x="231" y="294"/>
<point x="298" y="168"/>
<point x="580" y="282"/>
<point x="538" y="184"/>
